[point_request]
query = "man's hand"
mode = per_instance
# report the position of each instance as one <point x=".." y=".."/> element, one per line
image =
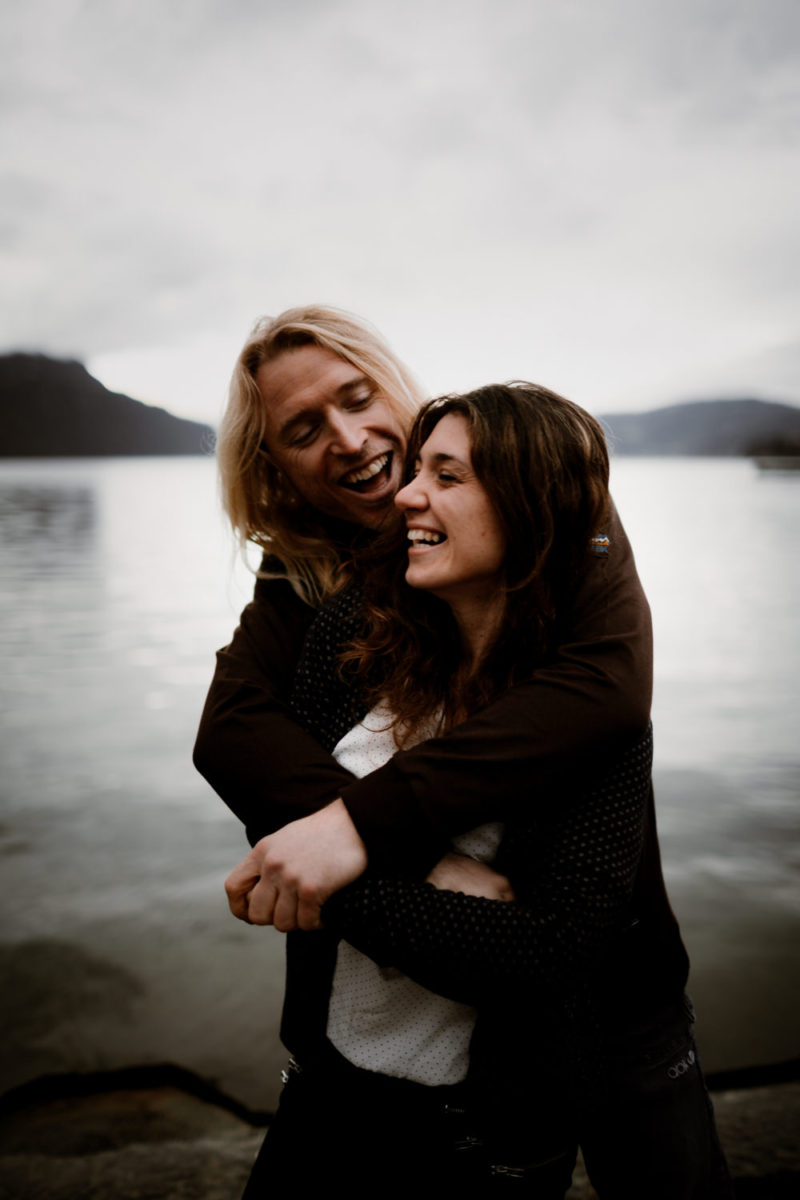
<point x="457" y="873"/>
<point x="288" y="876"/>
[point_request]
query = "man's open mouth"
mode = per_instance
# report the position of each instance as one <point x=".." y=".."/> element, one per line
<point x="371" y="477"/>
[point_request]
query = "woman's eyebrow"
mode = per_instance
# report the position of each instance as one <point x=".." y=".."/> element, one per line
<point x="437" y="460"/>
<point x="444" y="457"/>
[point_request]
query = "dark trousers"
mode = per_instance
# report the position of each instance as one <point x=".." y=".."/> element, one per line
<point x="649" y="1127"/>
<point x="632" y="1097"/>
<point x="637" y="1105"/>
<point x="365" y="1132"/>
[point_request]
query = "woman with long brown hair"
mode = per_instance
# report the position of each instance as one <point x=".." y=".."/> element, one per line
<point x="553" y="1014"/>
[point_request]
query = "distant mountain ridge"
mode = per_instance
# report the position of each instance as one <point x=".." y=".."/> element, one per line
<point x="702" y="427"/>
<point x="55" y="408"/>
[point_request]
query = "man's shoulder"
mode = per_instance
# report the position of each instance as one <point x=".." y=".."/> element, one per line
<point x="274" y="587"/>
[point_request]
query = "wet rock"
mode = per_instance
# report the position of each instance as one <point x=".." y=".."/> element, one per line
<point x="202" y="1169"/>
<point x="159" y="1143"/>
<point x="148" y="1144"/>
<point x="759" y="1131"/>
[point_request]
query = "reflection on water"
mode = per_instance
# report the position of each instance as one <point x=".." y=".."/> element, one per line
<point x="713" y="541"/>
<point x="116" y="585"/>
<point x="60" y="516"/>
<point x="116" y="589"/>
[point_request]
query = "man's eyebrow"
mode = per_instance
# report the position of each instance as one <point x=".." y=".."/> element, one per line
<point x="352" y="385"/>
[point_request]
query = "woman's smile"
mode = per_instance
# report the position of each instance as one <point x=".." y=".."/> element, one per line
<point x="423" y="539"/>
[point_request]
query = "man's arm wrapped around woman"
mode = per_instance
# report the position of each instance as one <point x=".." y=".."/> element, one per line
<point x="574" y="876"/>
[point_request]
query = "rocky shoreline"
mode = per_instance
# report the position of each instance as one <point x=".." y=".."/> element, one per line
<point x="164" y="1134"/>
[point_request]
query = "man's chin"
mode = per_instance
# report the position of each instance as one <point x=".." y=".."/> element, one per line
<point x="378" y="516"/>
<point x="372" y="510"/>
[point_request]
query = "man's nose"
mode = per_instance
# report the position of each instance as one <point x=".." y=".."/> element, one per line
<point x="347" y="433"/>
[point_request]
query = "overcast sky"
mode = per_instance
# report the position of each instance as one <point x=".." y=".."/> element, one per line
<point x="599" y="196"/>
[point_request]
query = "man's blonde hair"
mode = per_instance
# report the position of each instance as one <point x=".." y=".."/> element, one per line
<point x="260" y="501"/>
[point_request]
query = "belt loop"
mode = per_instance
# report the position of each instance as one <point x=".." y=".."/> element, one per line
<point x="292" y="1068"/>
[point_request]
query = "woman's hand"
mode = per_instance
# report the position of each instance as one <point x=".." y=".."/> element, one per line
<point x="457" y="873"/>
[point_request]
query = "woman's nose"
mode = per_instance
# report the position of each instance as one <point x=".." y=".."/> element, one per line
<point x="411" y="496"/>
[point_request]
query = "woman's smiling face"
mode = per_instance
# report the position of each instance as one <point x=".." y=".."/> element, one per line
<point x="457" y="544"/>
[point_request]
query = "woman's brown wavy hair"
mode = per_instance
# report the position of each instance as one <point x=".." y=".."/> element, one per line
<point x="544" y="464"/>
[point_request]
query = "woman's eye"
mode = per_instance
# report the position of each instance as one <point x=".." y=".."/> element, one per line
<point x="446" y="477"/>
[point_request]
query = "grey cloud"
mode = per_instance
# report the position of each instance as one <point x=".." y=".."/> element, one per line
<point x="578" y="163"/>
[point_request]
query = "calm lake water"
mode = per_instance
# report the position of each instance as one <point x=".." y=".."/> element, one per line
<point x="117" y="582"/>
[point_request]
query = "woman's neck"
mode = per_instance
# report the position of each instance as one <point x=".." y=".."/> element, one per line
<point x="478" y="623"/>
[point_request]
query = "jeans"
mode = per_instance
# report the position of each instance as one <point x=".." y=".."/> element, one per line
<point x="646" y="1122"/>
<point x="634" y="1099"/>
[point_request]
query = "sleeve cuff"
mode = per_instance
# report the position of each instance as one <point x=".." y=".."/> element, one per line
<point x="392" y="824"/>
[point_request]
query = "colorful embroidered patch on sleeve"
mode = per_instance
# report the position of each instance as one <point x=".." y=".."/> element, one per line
<point x="600" y="545"/>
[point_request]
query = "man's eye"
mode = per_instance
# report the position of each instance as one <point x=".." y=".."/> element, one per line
<point x="303" y="435"/>
<point x="360" y="400"/>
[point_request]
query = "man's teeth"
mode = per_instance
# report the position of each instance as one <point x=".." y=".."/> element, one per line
<point x="425" y="535"/>
<point x="367" y="472"/>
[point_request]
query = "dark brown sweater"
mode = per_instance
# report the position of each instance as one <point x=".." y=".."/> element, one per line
<point x="545" y="740"/>
<point x="557" y="730"/>
<point x="590" y="921"/>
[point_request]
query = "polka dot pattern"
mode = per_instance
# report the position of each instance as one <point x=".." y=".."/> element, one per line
<point x="323" y="697"/>
<point x="573" y="874"/>
<point x="573" y="865"/>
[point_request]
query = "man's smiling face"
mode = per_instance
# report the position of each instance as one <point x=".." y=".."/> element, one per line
<point x="333" y="434"/>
